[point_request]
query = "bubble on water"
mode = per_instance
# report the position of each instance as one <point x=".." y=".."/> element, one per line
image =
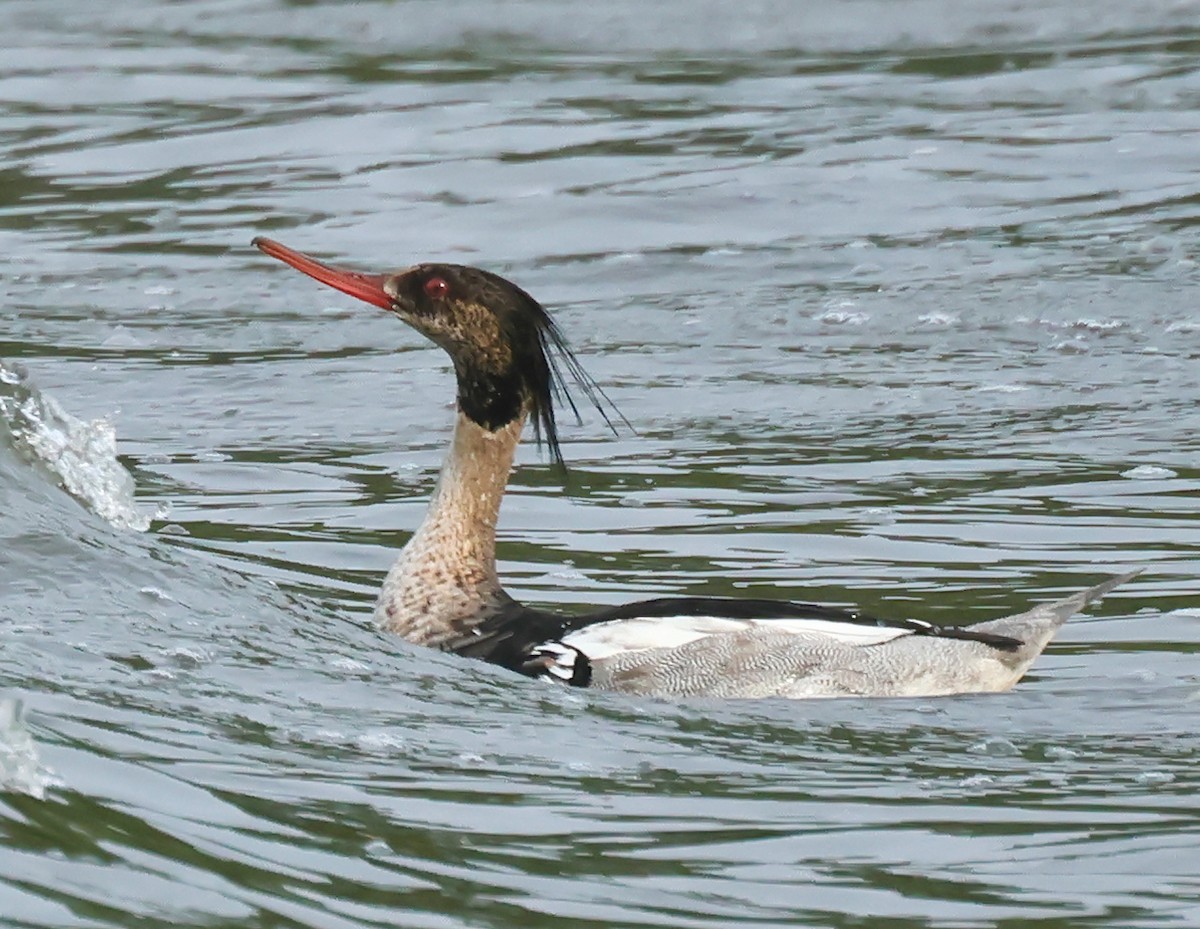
<point x="166" y="220"/>
<point x="1154" y="777"/>
<point x="841" y="318"/>
<point x="1148" y="473"/>
<point x="995" y="746"/>
<point x="188" y="658"/>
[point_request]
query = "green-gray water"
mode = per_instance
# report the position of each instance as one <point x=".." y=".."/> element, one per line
<point x="903" y="302"/>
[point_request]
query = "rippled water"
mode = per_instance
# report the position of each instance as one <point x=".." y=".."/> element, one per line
<point x="901" y="299"/>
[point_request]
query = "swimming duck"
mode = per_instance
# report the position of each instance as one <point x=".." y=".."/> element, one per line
<point x="510" y="361"/>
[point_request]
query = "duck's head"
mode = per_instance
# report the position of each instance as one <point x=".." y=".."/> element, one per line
<point x="508" y="355"/>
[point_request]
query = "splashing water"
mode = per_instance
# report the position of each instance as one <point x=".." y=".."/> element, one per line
<point x="20" y="769"/>
<point x="80" y="456"/>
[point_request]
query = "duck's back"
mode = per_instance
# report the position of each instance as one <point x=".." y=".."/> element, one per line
<point x="790" y="659"/>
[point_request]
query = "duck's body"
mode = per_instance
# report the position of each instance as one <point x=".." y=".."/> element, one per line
<point x="782" y="658"/>
<point x="444" y="590"/>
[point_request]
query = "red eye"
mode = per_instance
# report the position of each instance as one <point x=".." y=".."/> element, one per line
<point x="436" y="288"/>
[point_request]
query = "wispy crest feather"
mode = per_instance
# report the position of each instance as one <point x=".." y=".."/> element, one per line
<point x="550" y="387"/>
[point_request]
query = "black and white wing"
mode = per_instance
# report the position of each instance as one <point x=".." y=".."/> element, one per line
<point x="563" y="648"/>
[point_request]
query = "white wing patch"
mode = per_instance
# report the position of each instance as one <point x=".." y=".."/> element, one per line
<point x="604" y="640"/>
<point x="558" y="660"/>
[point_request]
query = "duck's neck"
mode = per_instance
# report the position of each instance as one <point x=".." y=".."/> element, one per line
<point x="444" y="582"/>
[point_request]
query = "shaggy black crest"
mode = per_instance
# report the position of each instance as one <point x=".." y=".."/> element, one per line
<point x="547" y="385"/>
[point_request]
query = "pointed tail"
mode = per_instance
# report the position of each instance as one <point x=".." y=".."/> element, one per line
<point x="1035" y="628"/>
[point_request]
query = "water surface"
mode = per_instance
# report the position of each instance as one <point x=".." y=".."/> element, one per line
<point x="901" y="301"/>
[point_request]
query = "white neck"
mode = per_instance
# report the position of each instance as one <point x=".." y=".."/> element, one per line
<point x="444" y="583"/>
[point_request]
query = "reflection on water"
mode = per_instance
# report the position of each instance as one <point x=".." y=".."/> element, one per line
<point x="899" y="299"/>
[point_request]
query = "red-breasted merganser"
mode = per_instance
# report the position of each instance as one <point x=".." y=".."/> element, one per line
<point x="443" y="591"/>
